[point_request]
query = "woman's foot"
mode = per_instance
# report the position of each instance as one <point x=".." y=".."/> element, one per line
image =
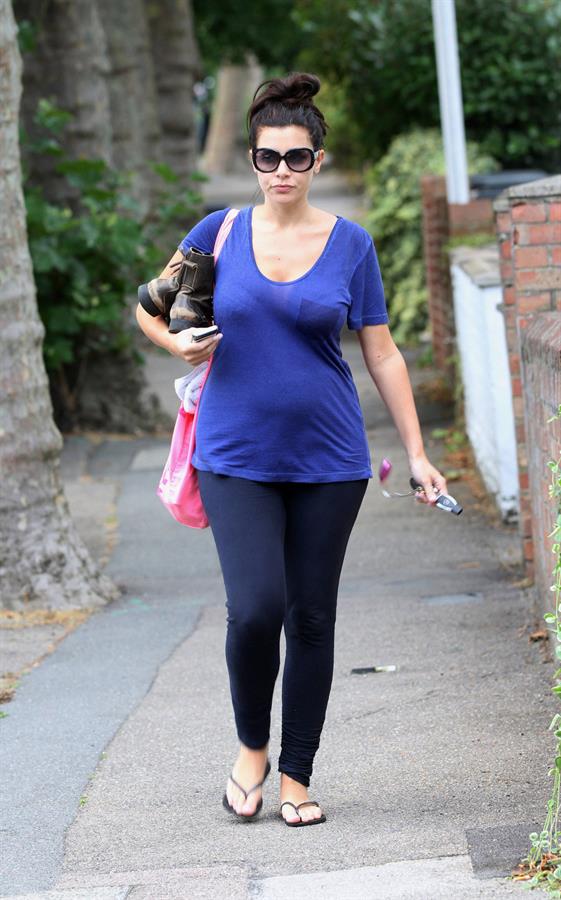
<point x="249" y="769"/>
<point x="296" y="793"/>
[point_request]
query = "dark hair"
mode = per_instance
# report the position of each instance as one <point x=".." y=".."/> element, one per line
<point x="287" y="101"/>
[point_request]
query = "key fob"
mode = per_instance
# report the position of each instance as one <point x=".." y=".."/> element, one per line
<point x="445" y="502"/>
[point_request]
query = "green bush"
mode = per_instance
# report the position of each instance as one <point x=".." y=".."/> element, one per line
<point x="85" y="264"/>
<point x="394" y="220"/>
<point x="343" y="140"/>
<point x="381" y="55"/>
<point x="90" y="254"/>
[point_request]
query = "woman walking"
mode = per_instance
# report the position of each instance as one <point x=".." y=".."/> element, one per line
<point x="282" y="455"/>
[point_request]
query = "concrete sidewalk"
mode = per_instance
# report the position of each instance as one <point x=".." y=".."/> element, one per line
<point x="116" y="748"/>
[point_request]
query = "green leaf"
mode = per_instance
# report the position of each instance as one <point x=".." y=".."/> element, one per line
<point x="51" y="117"/>
<point x="165" y="172"/>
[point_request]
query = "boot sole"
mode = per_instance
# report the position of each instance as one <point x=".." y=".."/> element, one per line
<point x="146" y="301"/>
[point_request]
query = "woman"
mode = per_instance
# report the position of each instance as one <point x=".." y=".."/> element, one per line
<point x="282" y="456"/>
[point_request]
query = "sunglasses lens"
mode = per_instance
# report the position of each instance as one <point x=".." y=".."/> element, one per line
<point x="266" y="160"/>
<point x="300" y="160"/>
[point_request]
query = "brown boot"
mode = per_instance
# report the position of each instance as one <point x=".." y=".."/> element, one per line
<point x="185" y="298"/>
<point x="193" y="307"/>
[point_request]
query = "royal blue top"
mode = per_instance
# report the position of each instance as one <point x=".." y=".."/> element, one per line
<point x="280" y="403"/>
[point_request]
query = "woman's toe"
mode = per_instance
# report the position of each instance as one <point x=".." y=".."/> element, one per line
<point x="248" y="808"/>
<point x="235" y="799"/>
<point x="291" y="816"/>
<point x="311" y="812"/>
<point x="241" y="805"/>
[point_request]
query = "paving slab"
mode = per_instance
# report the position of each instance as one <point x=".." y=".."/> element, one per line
<point x="183" y="883"/>
<point x="90" y="893"/>
<point x="440" y="878"/>
<point x="496" y="850"/>
<point x="19" y="648"/>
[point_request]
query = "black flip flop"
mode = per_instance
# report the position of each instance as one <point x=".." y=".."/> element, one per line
<point x="301" y="823"/>
<point x="226" y="804"/>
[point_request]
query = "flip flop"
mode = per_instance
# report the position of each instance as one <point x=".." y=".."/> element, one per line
<point x="227" y="805"/>
<point x="301" y="823"/>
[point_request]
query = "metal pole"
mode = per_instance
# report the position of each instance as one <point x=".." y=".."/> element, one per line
<point x="450" y="97"/>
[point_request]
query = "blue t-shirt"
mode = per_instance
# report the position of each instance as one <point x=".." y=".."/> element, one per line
<point x="280" y="403"/>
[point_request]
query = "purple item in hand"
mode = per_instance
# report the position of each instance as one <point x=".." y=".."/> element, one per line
<point x="385" y="469"/>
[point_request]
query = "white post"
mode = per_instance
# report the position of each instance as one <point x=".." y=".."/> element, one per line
<point x="450" y="97"/>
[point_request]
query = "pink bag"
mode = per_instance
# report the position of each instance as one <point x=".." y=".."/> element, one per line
<point x="179" y="486"/>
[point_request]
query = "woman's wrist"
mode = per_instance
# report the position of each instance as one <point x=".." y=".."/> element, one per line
<point x="416" y="455"/>
<point x="169" y="343"/>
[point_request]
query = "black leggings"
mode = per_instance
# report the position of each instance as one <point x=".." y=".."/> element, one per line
<point x="281" y="547"/>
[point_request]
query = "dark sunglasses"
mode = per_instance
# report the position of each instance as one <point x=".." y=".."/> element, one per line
<point x="300" y="159"/>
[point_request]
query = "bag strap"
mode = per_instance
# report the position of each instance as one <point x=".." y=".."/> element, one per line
<point x="224" y="231"/>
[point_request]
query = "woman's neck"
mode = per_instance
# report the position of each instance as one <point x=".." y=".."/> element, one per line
<point x="285" y="215"/>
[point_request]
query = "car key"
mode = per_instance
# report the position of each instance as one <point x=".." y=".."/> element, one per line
<point x="444" y="501"/>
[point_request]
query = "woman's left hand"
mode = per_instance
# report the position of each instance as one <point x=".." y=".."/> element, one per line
<point x="434" y="483"/>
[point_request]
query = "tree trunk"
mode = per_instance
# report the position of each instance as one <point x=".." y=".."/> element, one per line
<point x="42" y="559"/>
<point x="177" y="66"/>
<point x="69" y="64"/>
<point x="133" y="95"/>
<point x="226" y="147"/>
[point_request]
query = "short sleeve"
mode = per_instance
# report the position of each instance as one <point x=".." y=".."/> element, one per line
<point x="203" y="234"/>
<point x="368" y="305"/>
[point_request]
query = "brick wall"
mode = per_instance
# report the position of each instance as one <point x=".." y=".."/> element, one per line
<point x="528" y="223"/>
<point x="442" y="221"/>
<point x="541" y="370"/>
<point x="436" y="232"/>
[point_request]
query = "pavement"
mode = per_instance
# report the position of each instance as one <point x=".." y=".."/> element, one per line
<point x="116" y="747"/>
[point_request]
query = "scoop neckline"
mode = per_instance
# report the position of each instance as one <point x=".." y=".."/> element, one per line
<point x="301" y="277"/>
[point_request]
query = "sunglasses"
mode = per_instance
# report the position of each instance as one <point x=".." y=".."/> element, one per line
<point x="300" y="159"/>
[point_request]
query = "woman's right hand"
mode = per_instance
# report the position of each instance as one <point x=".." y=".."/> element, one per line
<point x="193" y="352"/>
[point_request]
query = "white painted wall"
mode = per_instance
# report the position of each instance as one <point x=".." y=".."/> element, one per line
<point x="481" y="342"/>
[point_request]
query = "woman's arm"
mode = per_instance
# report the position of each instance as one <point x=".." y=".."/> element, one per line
<point x="389" y="373"/>
<point x="155" y="328"/>
<point x="172" y="266"/>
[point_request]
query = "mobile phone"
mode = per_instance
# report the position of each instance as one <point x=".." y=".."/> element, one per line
<point x="199" y="334"/>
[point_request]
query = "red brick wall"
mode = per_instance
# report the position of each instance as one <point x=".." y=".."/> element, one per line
<point x="441" y="221"/>
<point x="467" y="218"/>
<point x="436" y="232"/>
<point x="528" y="224"/>
<point x="541" y="367"/>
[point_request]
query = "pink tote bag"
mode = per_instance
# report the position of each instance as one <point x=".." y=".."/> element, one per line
<point x="179" y="486"/>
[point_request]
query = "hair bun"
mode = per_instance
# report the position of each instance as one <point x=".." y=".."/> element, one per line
<point x="279" y="102"/>
<point x="297" y="88"/>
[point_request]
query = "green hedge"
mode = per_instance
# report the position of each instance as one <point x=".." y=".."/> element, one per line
<point x="394" y="220"/>
<point x="90" y="254"/>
